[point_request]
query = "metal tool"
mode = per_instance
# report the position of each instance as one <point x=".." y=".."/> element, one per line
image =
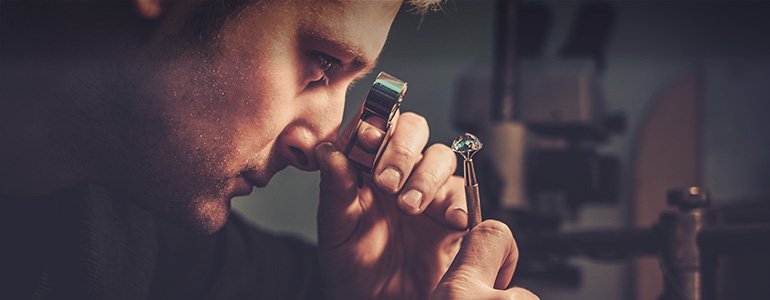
<point x="467" y="145"/>
<point x="377" y="112"/>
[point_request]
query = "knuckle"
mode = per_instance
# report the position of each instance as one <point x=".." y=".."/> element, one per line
<point x="441" y="149"/>
<point x="494" y="228"/>
<point x="456" y="293"/>
<point x="455" y="286"/>
<point x="402" y="150"/>
<point x="430" y="177"/>
<point x="445" y="155"/>
<point x="497" y="233"/>
<point x="414" y="120"/>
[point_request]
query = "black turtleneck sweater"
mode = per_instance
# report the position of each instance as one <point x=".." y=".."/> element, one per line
<point x="81" y="244"/>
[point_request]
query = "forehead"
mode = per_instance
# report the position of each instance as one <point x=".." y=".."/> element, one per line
<point x="359" y="26"/>
<point x="353" y="32"/>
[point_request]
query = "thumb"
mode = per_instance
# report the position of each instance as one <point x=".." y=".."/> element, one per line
<point x="338" y="211"/>
<point x="488" y="255"/>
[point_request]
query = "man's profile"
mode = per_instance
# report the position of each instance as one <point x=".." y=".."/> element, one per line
<point x="128" y="127"/>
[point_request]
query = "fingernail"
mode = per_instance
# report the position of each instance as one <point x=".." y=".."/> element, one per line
<point x="322" y="152"/>
<point x="372" y="133"/>
<point x="370" y="139"/>
<point x="324" y="149"/>
<point x="412" y="198"/>
<point x="389" y="179"/>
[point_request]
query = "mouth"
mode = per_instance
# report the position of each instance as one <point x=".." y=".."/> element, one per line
<point x="260" y="179"/>
<point x="255" y="179"/>
<point x="242" y="186"/>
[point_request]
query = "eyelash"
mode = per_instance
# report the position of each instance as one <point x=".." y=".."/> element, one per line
<point x="327" y="64"/>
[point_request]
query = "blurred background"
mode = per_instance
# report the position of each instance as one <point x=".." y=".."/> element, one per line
<point x="607" y="106"/>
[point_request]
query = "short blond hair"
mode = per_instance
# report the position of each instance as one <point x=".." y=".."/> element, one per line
<point x="422" y="7"/>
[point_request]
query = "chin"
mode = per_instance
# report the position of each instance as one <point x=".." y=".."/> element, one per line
<point x="212" y="215"/>
<point x="205" y="217"/>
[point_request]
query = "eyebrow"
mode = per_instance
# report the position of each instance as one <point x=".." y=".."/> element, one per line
<point x="359" y="63"/>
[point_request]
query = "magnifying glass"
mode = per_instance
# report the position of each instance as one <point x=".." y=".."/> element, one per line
<point x="377" y="112"/>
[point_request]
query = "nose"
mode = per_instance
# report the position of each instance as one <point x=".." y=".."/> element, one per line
<point x="317" y="122"/>
<point x="297" y="146"/>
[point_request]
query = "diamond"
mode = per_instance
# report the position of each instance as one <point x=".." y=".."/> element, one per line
<point x="466" y="143"/>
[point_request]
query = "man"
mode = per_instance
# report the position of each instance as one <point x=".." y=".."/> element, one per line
<point x="117" y="109"/>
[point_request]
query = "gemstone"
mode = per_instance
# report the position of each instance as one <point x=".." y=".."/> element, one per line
<point x="466" y="143"/>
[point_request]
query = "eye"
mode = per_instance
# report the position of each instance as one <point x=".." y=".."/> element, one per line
<point x="326" y="65"/>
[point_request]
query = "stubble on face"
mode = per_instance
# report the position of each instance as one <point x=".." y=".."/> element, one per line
<point x="193" y="123"/>
<point x="183" y="126"/>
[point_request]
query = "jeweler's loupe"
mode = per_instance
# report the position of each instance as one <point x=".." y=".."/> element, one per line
<point x="377" y="112"/>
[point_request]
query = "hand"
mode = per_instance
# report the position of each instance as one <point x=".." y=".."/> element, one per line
<point x="384" y="240"/>
<point x="483" y="267"/>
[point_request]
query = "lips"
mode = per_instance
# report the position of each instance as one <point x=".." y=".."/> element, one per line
<point x="255" y="179"/>
<point x="260" y="179"/>
<point x="242" y="186"/>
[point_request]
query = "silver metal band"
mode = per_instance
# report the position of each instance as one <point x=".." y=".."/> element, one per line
<point x="377" y="111"/>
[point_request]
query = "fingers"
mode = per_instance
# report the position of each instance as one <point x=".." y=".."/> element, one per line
<point x="431" y="174"/>
<point x="488" y="255"/>
<point x="338" y="212"/>
<point x="483" y="267"/>
<point x="449" y="205"/>
<point x="403" y="151"/>
<point x="415" y="176"/>
<point x="403" y="167"/>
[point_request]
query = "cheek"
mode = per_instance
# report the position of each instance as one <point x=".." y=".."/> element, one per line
<point x="226" y="113"/>
<point x="261" y="105"/>
<point x="240" y="112"/>
<point x="210" y="113"/>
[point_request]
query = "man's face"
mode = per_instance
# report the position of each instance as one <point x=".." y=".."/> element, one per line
<point x="191" y="130"/>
